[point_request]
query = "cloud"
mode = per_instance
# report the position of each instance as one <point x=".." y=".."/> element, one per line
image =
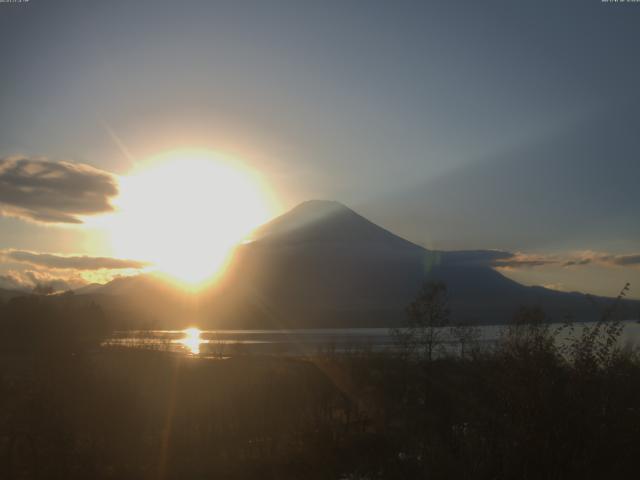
<point x="604" y="259"/>
<point x="53" y="192"/>
<point x="51" y="273"/>
<point x="45" y="283"/>
<point x="561" y="287"/>
<point x="40" y="282"/>
<point x="510" y="260"/>
<point x="475" y="257"/>
<point x="48" y="260"/>
<point x="12" y="281"/>
<point x="625" y="260"/>
<point x="523" y="260"/>
<point x="573" y="263"/>
<point x="497" y="258"/>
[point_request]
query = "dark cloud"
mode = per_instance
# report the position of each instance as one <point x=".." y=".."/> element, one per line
<point x="53" y="192"/>
<point x="73" y="262"/>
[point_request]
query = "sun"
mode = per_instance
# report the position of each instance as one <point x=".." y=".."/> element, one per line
<point x="184" y="212"/>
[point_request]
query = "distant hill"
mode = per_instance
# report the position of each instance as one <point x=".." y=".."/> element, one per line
<point x="142" y="302"/>
<point x="323" y="265"/>
<point x="6" y="295"/>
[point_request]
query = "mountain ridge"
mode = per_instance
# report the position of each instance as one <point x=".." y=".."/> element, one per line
<point x="321" y="264"/>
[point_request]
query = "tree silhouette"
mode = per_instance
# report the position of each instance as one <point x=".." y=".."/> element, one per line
<point x="466" y="335"/>
<point x="427" y="314"/>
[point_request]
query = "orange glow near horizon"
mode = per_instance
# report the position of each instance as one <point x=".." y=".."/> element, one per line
<point x="185" y="211"/>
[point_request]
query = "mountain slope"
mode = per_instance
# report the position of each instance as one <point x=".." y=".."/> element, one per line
<point x="329" y="223"/>
<point x="142" y="301"/>
<point x="323" y="265"/>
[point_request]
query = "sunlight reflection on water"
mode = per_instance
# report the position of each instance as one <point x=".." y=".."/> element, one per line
<point x="221" y="343"/>
<point x="192" y="340"/>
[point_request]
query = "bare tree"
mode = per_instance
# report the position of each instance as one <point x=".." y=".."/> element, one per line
<point x="427" y="314"/>
<point x="466" y="335"/>
<point x="597" y="345"/>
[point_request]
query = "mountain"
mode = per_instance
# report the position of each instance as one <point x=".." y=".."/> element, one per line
<point x="323" y="265"/>
<point x="6" y="294"/>
<point x="327" y="222"/>
<point x="143" y="301"/>
<point x="91" y="288"/>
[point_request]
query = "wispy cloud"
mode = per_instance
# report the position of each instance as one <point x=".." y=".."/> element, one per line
<point x="54" y="281"/>
<point x="522" y="260"/>
<point x="53" y="192"/>
<point x="83" y="262"/>
<point x="604" y="259"/>
<point x="12" y="281"/>
<point x="38" y="281"/>
<point x="25" y="270"/>
<point x="517" y="260"/>
<point x="497" y="258"/>
<point x="561" y="287"/>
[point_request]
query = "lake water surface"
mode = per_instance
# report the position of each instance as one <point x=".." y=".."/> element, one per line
<point x="225" y="343"/>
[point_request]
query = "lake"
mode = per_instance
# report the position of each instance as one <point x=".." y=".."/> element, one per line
<point x="227" y="343"/>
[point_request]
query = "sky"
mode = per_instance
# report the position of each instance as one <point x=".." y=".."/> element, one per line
<point x="458" y="125"/>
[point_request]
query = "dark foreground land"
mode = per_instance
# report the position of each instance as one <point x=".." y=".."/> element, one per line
<point x="528" y="409"/>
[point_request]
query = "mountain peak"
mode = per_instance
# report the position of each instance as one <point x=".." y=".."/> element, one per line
<point x="325" y="221"/>
<point x="312" y="211"/>
<point x="318" y="205"/>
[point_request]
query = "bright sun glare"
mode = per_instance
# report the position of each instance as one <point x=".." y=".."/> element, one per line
<point x="184" y="212"/>
<point x="192" y="340"/>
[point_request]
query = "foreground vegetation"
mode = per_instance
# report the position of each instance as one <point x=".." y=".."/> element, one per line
<point x="529" y="408"/>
